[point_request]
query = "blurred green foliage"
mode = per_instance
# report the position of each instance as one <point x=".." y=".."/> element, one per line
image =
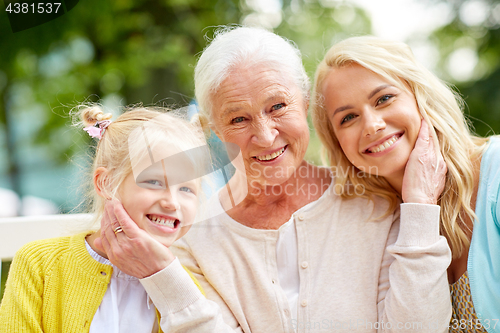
<point x="141" y="50"/>
<point x="474" y="26"/>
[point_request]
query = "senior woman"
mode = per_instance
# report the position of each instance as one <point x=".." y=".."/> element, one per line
<point x="292" y="256"/>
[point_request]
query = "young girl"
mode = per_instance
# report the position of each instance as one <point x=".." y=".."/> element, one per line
<point x="68" y="284"/>
<point x="369" y="101"/>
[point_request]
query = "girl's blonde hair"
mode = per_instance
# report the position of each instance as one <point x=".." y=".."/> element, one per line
<point x="438" y="104"/>
<point x="116" y="148"/>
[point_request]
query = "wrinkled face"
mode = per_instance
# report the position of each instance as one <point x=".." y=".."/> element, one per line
<point x="264" y="113"/>
<point x="375" y="122"/>
<point x="166" y="210"/>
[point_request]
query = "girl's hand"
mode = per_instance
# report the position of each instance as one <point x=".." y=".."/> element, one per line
<point x="425" y="172"/>
<point x="133" y="250"/>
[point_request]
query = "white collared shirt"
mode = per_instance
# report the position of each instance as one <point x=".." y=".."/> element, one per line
<point x="287" y="263"/>
<point x="125" y="307"/>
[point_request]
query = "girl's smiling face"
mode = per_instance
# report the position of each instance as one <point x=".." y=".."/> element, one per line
<point x="375" y="122"/>
<point x="165" y="211"/>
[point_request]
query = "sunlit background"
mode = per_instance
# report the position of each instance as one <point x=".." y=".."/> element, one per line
<point x="138" y="51"/>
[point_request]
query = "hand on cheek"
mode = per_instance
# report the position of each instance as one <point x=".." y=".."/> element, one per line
<point x="425" y="172"/>
<point x="132" y="250"/>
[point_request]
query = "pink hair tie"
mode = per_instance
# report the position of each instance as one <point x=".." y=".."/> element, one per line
<point x="97" y="130"/>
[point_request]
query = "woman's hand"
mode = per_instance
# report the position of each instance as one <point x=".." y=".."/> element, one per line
<point x="425" y="172"/>
<point x="133" y="250"/>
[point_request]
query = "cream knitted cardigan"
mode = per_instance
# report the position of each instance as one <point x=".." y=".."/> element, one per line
<point x="356" y="274"/>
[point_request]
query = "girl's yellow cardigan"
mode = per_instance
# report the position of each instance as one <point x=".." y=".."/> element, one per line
<point x="54" y="285"/>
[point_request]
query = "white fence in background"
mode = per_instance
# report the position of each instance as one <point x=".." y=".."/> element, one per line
<point x="17" y="231"/>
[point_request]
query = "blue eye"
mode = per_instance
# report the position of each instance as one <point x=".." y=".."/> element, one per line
<point x="347" y="118"/>
<point x="153" y="182"/>
<point x="384" y="99"/>
<point x="237" y="120"/>
<point x="186" y="189"/>
<point x="277" y="106"/>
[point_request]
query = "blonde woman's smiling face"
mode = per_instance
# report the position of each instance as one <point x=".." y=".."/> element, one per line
<point x="375" y="121"/>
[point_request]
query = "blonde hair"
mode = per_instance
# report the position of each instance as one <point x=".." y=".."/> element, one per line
<point x="437" y="103"/>
<point x="116" y="149"/>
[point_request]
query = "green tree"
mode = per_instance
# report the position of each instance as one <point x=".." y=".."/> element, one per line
<point x="474" y="30"/>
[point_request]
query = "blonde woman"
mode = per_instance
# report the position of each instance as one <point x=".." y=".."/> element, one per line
<point x="371" y="101"/>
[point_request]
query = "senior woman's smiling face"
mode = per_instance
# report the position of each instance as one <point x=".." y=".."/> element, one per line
<point x="264" y="113"/>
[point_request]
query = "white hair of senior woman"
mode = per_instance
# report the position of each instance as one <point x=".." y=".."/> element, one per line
<point x="238" y="47"/>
